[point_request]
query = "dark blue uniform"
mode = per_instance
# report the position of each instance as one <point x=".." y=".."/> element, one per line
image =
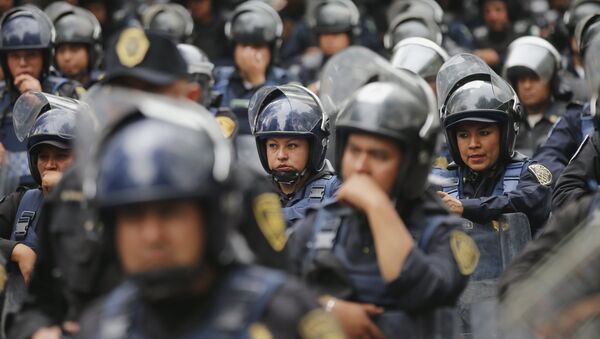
<point x="564" y="139"/>
<point x="530" y="138"/>
<point x="236" y="95"/>
<point x="517" y="187"/>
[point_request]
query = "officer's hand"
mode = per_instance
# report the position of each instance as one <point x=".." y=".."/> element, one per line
<point x="453" y="204"/>
<point x="25" y="257"/>
<point x="355" y="319"/>
<point x="362" y="192"/>
<point x="253" y="64"/>
<point x="49" y="180"/>
<point x="53" y="332"/>
<point x="2" y="155"/>
<point x="489" y="55"/>
<point x="26" y="83"/>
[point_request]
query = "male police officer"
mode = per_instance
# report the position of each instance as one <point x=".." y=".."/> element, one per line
<point x="78" y="45"/>
<point x="255" y="31"/>
<point x="292" y="130"/>
<point x="385" y="243"/>
<point x="200" y="75"/>
<point x="168" y="224"/>
<point x="26" y="44"/>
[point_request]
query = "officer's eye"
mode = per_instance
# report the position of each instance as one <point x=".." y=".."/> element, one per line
<point x="43" y="157"/>
<point x="380" y="156"/>
<point x="292" y="146"/>
<point x="272" y="146"/>
<point x="462" y="135"/>
<point x="485" y="132"/>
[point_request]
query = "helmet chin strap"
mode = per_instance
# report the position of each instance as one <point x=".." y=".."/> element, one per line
<point x="287" y="177"/>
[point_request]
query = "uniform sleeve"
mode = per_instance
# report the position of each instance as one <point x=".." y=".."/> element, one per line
<point x="577" y="177"/>
<point x="558" y="227"/>
<point x="530" y="197"/>
<point x="432" y="278"/>
<point x="296" y="247"/>
<point x="8" y="209"/>
<point x="563" y="140"/>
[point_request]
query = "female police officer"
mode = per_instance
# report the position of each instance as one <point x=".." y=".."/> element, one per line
<point x="292" y="132"/>
<point x="384" y="241"/>
<point x="480" y="114"/>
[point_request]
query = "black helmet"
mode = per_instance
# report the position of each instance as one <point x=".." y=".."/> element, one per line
<point x="579" y="9"/>
<point x="469" y="90"/>
<point x="199" y="69"/>
<point x="410" y="25"/>
<point x="531" y="54"/>
<point x="255" y="23"/>
<point x="404" y="113"/>
<point x="586" y="29"/>
<point x="334" y="16"/>
<point x="79" y="26"/>
<point x="169" y="18"/>
<point x="420" y="56"/>
<point x="26" y="27"/>
<point x="289" y="110"/>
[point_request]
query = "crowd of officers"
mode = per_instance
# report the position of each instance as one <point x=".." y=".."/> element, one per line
<point x="169" y="169"/>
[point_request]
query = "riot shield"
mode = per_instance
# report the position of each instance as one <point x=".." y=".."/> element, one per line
<point x="561" y="298"/>
<point x="499" y="242"/>
<point x="351" y="69"/>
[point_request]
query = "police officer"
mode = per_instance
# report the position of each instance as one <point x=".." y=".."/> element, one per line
<point x="170" y="18"/>
<point x="78" y="45"/>
<point x="200" y="73"/>
<point x="412" y="25"/>
<point x="169" y="230"/>
<point x="479" y="113"/>
<point x="255" y="31"/>
<point x="292" y="130"/>
<point x="27" y="38"/>
<point x="382" y="246"/>
<point x="532" y="67"/>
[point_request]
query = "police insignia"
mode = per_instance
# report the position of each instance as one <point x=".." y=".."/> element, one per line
<point x="3" y="278"/>
<point x="260" y="331"/>
<point x="269" y="217"/>
<point x="132" y="46"/>
<point x="441" y="162"/>
<point x="541" y="173"/>
<point x="465" y="252"/>
<point x="319" y="324"/>
<point x="80" y="91"/>
<point x="227" y="125"/>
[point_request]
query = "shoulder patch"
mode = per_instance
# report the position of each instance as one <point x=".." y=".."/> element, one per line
<point x="132" y="47"/>
<point x="80" y="91"/>
<point x="465" y="252"/>
<point x="318" y="324"/>
<point x="228" y="125"/>
<point x="441" y="162"/>
<point x="260" y="331"/>
<point x="541" y="173"/>
<point x="269" y="217"/>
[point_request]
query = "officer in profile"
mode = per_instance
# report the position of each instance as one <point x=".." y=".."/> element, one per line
<point x="169" y="229"/>
<point x="292" y="133"/>
<point x="532" y="67"/>
<point x="78" y="44"/>
<point x="170" y="18"/>
<point x="200" y="74"/>
<point x="26" y="46"/>
<point x="255" y="30"/>
<point x="384" y="244"/>
<point x="479" y="112"/>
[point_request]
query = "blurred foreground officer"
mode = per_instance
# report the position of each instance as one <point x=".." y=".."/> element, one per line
<point x="532" y="67"/>
<point x="292" y="133"/>
<point x="199" y="73"/>
<point x="168" y="225"/>
<point x="255" y="31"/>
<point x="78" y="45"/>
<point x="488" y="178"/>
<point x="384" y="247"/>
<point x="26" y="43"/>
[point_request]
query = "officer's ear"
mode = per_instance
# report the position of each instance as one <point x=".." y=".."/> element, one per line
<point x="194" y="92"/>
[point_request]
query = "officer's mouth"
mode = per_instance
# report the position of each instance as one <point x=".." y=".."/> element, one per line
<point x="476" y="158"/>
<point x="285" y="168"/>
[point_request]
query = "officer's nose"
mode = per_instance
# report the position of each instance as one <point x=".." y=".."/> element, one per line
<point x="282" y="153"/>
<point x="150" y="227"/>
<point x="361" y="164"/>
<point x="474" y="141"/>
<point x="50" y="164"/>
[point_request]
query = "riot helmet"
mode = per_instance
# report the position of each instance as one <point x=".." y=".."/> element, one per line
<point x="420" y="56"/>
<point x="199" y="69"/>
<point x="531" y="54"/>
<point x="405" y="114"/>
<point x="26" y="28"/>
<point x="579" y="9"/>
<point x="469" y="90"/>
<point x="334" y="16"/>
<point x="57" y="8"/>
<point x="410" y="25"/>
<point x="592" y="64"/>
<point x="255" y="23"/>
<point x="585" y="31"/>
<point x="289" y="111"/>
<point x="169" y="18"/>
<point x="79" y="26"/>
<point x="423" y="8"/>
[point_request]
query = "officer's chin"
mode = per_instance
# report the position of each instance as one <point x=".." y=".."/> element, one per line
<point x="168" y="283"/>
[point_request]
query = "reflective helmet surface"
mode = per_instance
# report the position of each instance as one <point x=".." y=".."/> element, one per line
<point x="289" y="111"/>
<point x="80" y="26"/>
<point x="56" y="127"/>
<point x="334" y="16"/>
<point x="405" y="114"/>
<point x="587" y="28"/>
<point x="420" y="56"/>
<point x="423" y="8"/>
<point x="410" y="25"/>
<point x="200" y="69"/>
<point x="531" y="54"/>
<point x="592" y="65"/>
<point x="468" y="90"/>
<point x="579" y="9"/>
<point x="169" y="18"/>
<point x="254" y="22"/>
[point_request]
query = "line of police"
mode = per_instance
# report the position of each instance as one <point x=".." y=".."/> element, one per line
<point x="141" y="213"/>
